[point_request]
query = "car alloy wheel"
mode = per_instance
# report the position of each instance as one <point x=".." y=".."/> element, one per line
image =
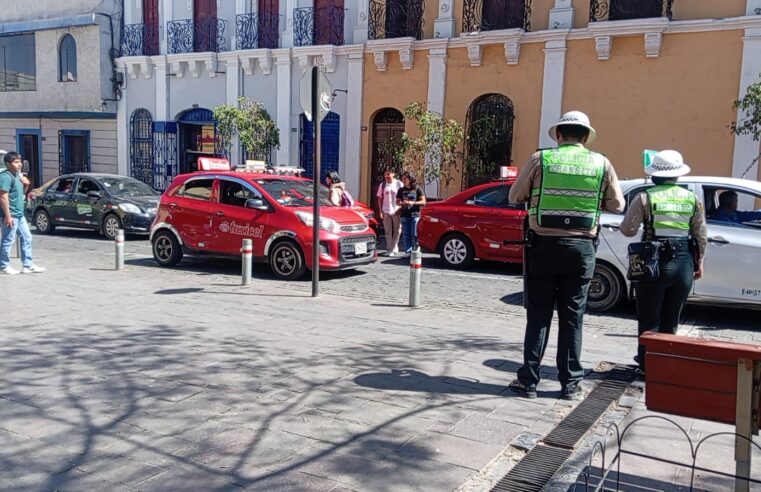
<point x="111" y="226"/>
<point x="457" y="251"/>
<point x="606" y="289"/>
<point x="286" y="261"/>
<point x="42" y="222"/>
<point x="164" y="248"/>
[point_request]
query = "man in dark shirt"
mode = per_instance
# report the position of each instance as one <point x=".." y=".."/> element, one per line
<point x="727" y="211"/>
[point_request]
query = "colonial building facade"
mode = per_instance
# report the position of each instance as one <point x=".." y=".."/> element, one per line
<point x="58" y="85"/>
<point x="650" y="73"/>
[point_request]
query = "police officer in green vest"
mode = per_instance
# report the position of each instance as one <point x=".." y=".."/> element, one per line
<point x="673" y="216"/>
<point x="566" y="188"/>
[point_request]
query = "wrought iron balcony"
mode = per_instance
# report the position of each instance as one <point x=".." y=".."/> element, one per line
<point x="602" y="10"/>
<point x="189" y="35"/>
<point x="491" y="15"/>
<point x="257" y="30"/>
<point x="314" y="26"/>
<point x="396" y="19"/>
<point x="139" y="40"/>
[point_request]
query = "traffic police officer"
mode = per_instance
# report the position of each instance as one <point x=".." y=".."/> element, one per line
<point x="566" y="186"/>
<point x="673" y="216"/>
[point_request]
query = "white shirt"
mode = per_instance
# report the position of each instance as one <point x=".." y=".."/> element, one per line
<point x="387" y="196"/>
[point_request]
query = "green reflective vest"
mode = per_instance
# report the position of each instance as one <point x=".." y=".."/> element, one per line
<point x="571" y="189"/>
<point x="671" y="209"/>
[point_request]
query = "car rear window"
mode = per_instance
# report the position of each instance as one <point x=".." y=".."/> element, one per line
<point x="197" y="189"/>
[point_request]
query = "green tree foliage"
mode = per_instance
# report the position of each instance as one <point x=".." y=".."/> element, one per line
<point x="252" y="124"/>
<point x="750" y="123"/>
<point x="436" y="152"/>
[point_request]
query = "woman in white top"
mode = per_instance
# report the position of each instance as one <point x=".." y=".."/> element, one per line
<point x="390" y="212"/>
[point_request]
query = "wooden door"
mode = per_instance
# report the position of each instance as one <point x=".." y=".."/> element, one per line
<point x="269" y="23"/>
<point x="151" y="25"/>
<point x="328" y="22"/>
<point x="205" y="25"/>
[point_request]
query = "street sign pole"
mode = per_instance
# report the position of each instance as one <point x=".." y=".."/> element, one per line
<point x="316" y="120"/>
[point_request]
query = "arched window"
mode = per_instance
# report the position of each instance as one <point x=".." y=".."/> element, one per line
<point x="489" y="134"/>
<point x="67" y="59"/>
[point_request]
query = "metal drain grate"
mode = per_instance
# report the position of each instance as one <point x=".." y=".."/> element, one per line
<point x="536" y="469"/>
<point x="583" y="417"/>
<point x="533" y="472"/>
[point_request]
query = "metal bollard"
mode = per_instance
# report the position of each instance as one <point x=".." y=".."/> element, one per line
<point x="416" y="273"/>
<point x="247" y="252"/>
<point x="119" y="243"/>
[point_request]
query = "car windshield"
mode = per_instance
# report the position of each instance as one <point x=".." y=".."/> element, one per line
<point x="127" y="187"/>
<point x="292" y="192"/>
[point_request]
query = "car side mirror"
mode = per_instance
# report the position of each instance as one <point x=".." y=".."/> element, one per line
<point x="257" y="204"/>
<point x="93" y="194"/>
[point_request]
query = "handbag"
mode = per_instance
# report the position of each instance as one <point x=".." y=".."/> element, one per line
<point x="644" y="261"/>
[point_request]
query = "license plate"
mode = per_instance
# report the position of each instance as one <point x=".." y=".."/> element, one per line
<point x="360" y="248"/>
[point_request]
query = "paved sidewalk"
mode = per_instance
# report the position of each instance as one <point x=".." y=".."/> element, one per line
<point x="155" y="379"/>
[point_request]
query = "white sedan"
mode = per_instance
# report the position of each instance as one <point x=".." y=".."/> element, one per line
<point x="733" y="257"/>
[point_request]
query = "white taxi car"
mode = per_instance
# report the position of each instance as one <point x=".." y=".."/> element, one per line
<point x="732" y="258"/>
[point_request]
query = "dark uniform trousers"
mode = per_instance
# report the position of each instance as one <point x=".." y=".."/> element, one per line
<point x="559" y="272"/>
<point x="660" y="302"/>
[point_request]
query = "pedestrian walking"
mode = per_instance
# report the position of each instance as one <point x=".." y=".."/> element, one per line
<point x="566" y="187"/>
<point x="390" y="211"/>
<point x="410" y="197"/>
<point x="675" y="227"/>
<point x="337" y="193"/>
<point x="12" y="192"/>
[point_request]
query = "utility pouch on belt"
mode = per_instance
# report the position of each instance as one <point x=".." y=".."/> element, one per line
<point x="644" y="261"/>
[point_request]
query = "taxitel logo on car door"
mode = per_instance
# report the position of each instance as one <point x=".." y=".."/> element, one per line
<point x="241" y="230"/>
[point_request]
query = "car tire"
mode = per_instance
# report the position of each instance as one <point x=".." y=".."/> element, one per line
<point x="456" y="251"/>
<point x="42" y="222"/>
<point x="606" y="290"/>
<point x="111" y="224"/>
<point x="287" y="261"/>
<point x="166" y="249"/>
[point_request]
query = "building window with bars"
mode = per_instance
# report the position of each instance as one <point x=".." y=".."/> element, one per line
<point x="73" y="151"/>
<point x="67" y="59"/>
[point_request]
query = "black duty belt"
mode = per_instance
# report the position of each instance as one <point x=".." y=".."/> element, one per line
<point x="675" y="245"/>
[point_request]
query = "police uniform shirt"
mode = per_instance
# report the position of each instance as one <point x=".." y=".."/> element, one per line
<point x="639" y="213"/>
<point x="530" y="178"/>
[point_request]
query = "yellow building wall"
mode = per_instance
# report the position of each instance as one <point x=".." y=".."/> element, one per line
<point x="707" y="9"/>
<point x="430" y="12"/>
<point x="681" y="100"/>
<point x="394" y="88"/>
<point x="521" y="83"/>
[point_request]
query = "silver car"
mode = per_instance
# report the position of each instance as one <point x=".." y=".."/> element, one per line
<point x="732" y="259"/>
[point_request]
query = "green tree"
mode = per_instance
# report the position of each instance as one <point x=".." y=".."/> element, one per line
<point x="750" y="122"/>
<point x="436" y="152"/>
<point x="252" y="124"/>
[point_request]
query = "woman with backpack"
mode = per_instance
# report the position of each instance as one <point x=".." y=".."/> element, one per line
<point x="410" y="197"/>
<point x="337" y="193"/>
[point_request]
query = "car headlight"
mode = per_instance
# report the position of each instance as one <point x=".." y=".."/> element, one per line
<point x="130" y="208"/>
<point x="326" y="224"/>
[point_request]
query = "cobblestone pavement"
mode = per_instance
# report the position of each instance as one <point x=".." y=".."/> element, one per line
<point x="167" y="379"/>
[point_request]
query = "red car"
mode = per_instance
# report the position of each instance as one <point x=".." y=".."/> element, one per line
<point x="211" y="212"/>
<point x="478" y="223"/>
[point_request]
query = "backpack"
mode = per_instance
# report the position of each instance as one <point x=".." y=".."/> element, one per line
<point x="346" y="199"/>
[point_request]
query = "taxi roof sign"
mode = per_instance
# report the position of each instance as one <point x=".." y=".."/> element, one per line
<point x="213" y="164"/>
<point x="647" y="157"/>
<point x="508" y="172"/>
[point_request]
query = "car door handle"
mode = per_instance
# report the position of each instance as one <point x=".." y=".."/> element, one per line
<point x="172" y="205"/>
<point x="717" y="240"/>
<point x="219" y="213"/>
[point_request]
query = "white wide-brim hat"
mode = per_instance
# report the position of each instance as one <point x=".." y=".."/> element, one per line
<point x="667" y="164"/>
<point x="574" y="118"/>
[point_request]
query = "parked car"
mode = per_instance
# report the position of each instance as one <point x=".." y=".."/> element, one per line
<point x="475" y="223"/>
<point x="210" y="212"/>
<point x="101" y="202"/>
<point x="732" y="258"/>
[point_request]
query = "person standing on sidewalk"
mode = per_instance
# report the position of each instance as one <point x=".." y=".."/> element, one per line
<point x="390" y="212"/>
<point x="566" y="187"/>
<point x="673" y="216"/>
<point x="12" y="193"/>
<point x="410" y="197"/>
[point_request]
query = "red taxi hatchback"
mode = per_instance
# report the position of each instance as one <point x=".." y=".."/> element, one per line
<point x="478" y="223"/>
<point x="212" y="212"/>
